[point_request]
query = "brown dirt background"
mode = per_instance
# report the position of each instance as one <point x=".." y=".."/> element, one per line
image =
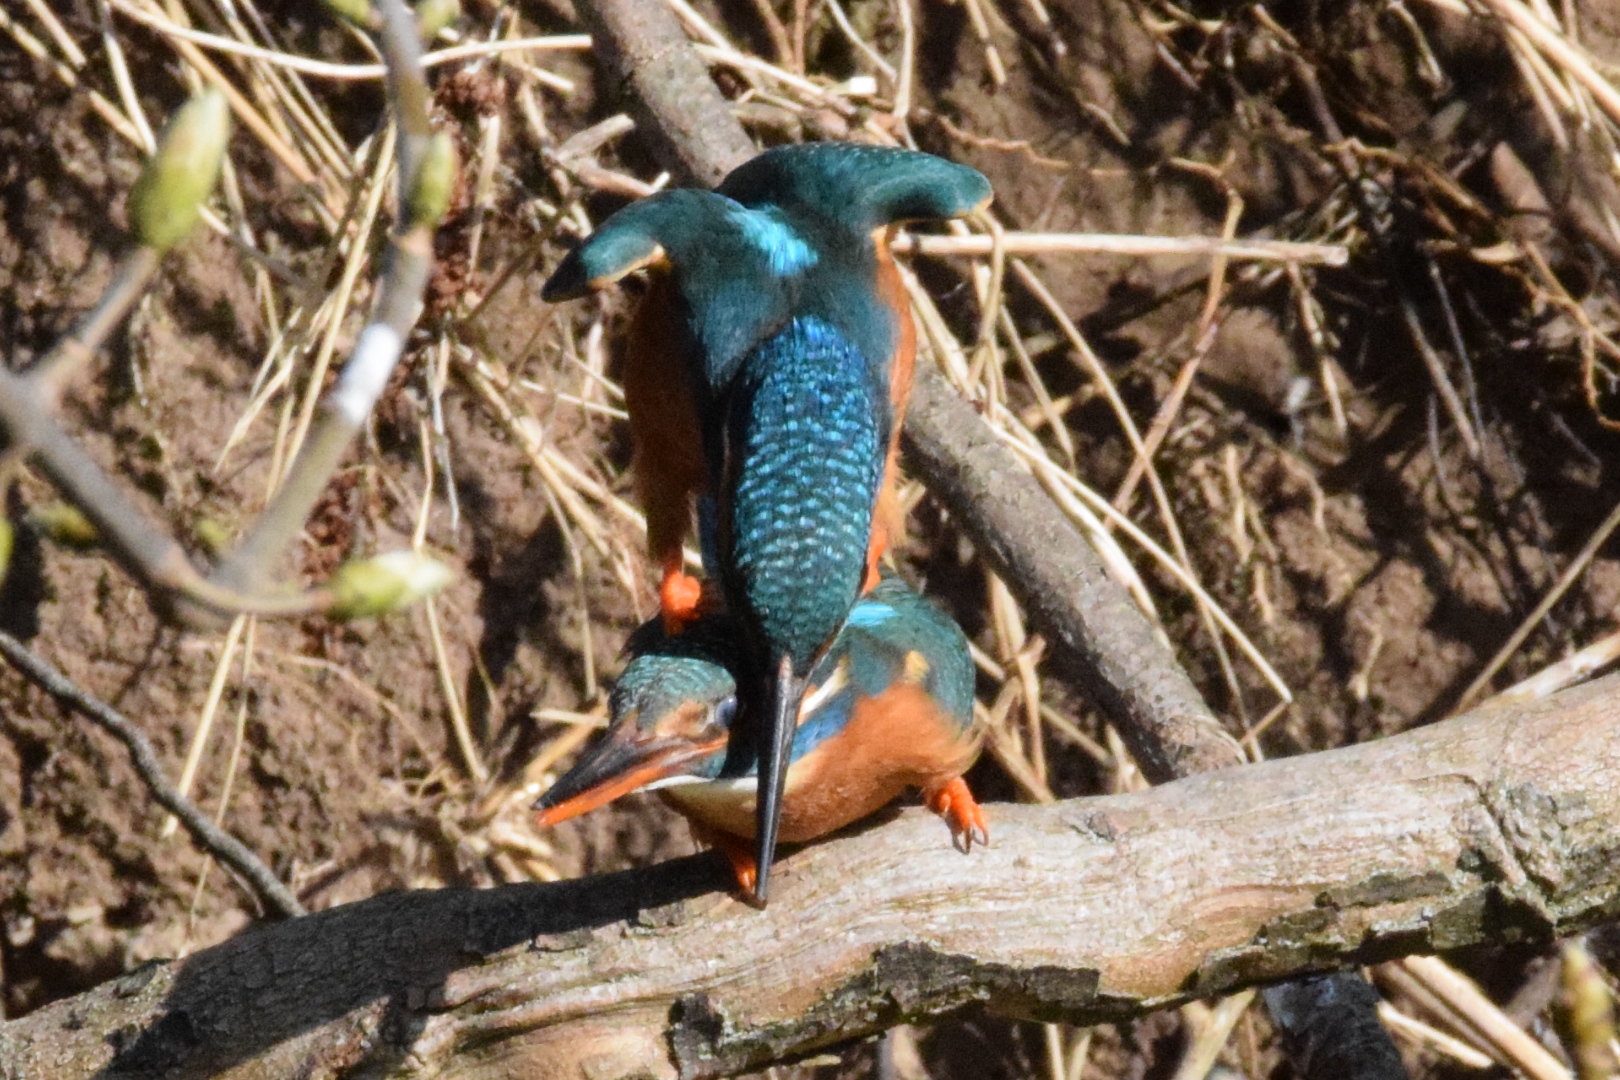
<point x="1377" y="567"/>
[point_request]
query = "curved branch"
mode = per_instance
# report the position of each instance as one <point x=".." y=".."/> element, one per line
<point x="1503" y="825"/>
<point x="1101" y="641"/>
<point x="407" y="267"/>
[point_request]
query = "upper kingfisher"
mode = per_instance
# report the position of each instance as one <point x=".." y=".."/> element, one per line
<point x="890" y="707"/>
<point x="782" y="301"/>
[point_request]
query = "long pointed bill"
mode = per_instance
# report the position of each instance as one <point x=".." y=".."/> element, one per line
<point x="615" y="767"/>
<point x="775" y="754"/>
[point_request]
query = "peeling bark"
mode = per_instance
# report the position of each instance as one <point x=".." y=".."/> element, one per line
<point x="1500" y="826"/>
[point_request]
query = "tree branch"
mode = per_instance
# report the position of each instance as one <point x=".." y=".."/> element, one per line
<point x="240" y="585"/>
<point x="688" y="124"/>
<point x="1501" y="826"/>
<point x="1100" y="640"/>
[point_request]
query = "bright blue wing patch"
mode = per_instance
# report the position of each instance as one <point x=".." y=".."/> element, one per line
<point x="783" y="247"/>
<point x="870" y="616"/>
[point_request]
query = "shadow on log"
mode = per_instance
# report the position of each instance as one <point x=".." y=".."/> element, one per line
<point x="1500" y="826"/>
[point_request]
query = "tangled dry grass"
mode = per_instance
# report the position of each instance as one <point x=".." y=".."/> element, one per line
<point x="1307" y="322"/>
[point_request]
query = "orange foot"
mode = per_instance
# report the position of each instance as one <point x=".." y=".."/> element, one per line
<point x="680" y="597"/>
<point x="874" y="555"/>
<point x="738" y="852"/>
<point x="955" y="803"/>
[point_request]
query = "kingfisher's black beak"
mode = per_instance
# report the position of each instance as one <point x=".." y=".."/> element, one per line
<point x="775" y="754"/>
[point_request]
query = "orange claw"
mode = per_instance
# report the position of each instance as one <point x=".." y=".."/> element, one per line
<point x="955" y="803"/>
<point x="679" y="598"/>
<point x="738" y="852"/>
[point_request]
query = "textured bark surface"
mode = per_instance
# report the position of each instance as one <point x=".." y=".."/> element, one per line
<point x="680" y="112"/>
<point x="1503" y="825"/>
<point x="1101" y="641"/>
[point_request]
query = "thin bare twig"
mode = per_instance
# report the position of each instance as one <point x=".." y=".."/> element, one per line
<point x="143" y="548"/>
<point x="128" y="284"/>
<point x="1571" y="574"/>
<point x="209" y="836"/>
<point x="1037" y="243"/>
<point x="381" y="344"/>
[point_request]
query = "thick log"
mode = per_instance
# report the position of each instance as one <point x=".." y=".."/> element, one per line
<point x="1500" y="826"/>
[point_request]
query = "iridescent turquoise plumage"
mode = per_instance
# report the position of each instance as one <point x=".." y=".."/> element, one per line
<point x="850" y="308"/>
<point x="733" y="270"/>
<point x="837" y="195"/>
<point x="673" y="712"/>
<point x="786" y="334"/>
<point x="805" y="442"/>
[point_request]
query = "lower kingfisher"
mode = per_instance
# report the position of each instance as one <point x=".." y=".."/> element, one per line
<point x="890" y="706"/>
<point x="790" y="329"/>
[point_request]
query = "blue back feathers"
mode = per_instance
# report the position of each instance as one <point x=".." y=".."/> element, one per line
<point x="837" y="194"/>
<point x="805" y="438"/>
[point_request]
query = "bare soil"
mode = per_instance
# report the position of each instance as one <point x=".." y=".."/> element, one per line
<point x="1378" y="564"/>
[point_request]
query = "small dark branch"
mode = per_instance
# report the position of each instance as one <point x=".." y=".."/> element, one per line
<point x="1372" y="205"/>
<point x="75" y="351"/>
<point x="209" y="836"/>
<point x="1331" y="1028"/>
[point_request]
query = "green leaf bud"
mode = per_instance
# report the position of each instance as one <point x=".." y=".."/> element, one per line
<point x="1584" y="1014"/>
<point x="8" y="537"/>
<point x="384" y="584"/>
<point x="358" y="13"/>
<point x="434" y="15"/>
<point x="435" y="179"/>
<point x="212" y="534"/>
<point x="169" y="196"/>
<point x="64" y="525"/>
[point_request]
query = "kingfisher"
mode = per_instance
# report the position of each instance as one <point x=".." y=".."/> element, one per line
<point x="780" y="302"/>
<point x="890" y="706"/>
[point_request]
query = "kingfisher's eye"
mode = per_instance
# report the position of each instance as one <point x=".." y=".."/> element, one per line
<point x="725" y="712"/>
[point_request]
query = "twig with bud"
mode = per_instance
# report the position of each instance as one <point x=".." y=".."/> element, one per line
<point x="164" y="207"/>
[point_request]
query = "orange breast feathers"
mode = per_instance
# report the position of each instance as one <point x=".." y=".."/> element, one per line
<point x="888" y="522"/>
<point x="668" y="465"/>
<point x="893" y="741"/>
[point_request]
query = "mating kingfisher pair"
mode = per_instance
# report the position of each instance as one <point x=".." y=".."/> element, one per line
<point x="766" y="373"/>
